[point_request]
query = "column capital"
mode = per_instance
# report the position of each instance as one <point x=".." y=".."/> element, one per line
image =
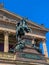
<point x="33" y="37"/>
<point x="44" y="40"/>
<point x="6" y="32"/>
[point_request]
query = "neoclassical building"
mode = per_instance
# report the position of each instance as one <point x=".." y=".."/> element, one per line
<point x="8" y="23"/>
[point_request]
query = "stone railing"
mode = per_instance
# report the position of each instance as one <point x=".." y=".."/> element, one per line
<point x="9" y="56"/>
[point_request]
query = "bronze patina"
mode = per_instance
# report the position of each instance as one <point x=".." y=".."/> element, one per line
<point x="21" y="29"/>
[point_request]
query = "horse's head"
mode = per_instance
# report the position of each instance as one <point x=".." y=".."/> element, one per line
<point x="24" y="25"/>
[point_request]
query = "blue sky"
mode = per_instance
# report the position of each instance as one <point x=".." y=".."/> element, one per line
<point x="35" y="10"/>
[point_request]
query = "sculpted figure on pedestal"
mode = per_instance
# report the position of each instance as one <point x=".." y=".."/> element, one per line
<point x="21" y="29"/>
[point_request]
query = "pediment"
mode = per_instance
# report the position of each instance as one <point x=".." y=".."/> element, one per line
<point x="13" y="18"/>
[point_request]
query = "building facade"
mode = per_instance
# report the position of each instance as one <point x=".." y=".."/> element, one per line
<point x="8" y="23"/>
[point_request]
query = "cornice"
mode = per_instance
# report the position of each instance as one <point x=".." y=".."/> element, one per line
<point x="28" y="21"/>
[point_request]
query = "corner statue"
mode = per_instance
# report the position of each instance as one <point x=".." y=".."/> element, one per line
<point x="21" y="28"/>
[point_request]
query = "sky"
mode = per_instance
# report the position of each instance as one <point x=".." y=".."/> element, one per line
<point x="35" y="10"/>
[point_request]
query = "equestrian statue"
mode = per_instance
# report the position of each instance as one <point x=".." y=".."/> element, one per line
<point x="21" y="29"/>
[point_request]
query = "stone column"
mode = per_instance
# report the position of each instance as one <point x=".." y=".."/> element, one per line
<point x="33" y="41"/>
<point x="45" y="48"/>
<point x="6" y="43"/>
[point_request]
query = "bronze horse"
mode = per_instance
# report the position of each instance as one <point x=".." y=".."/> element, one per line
<point x="21" y="28"/>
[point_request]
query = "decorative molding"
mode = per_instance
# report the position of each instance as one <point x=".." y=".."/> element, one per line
<point x="20" y="18"/>
<point x="35" y="35"/>
<point x="7" y="56"/>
